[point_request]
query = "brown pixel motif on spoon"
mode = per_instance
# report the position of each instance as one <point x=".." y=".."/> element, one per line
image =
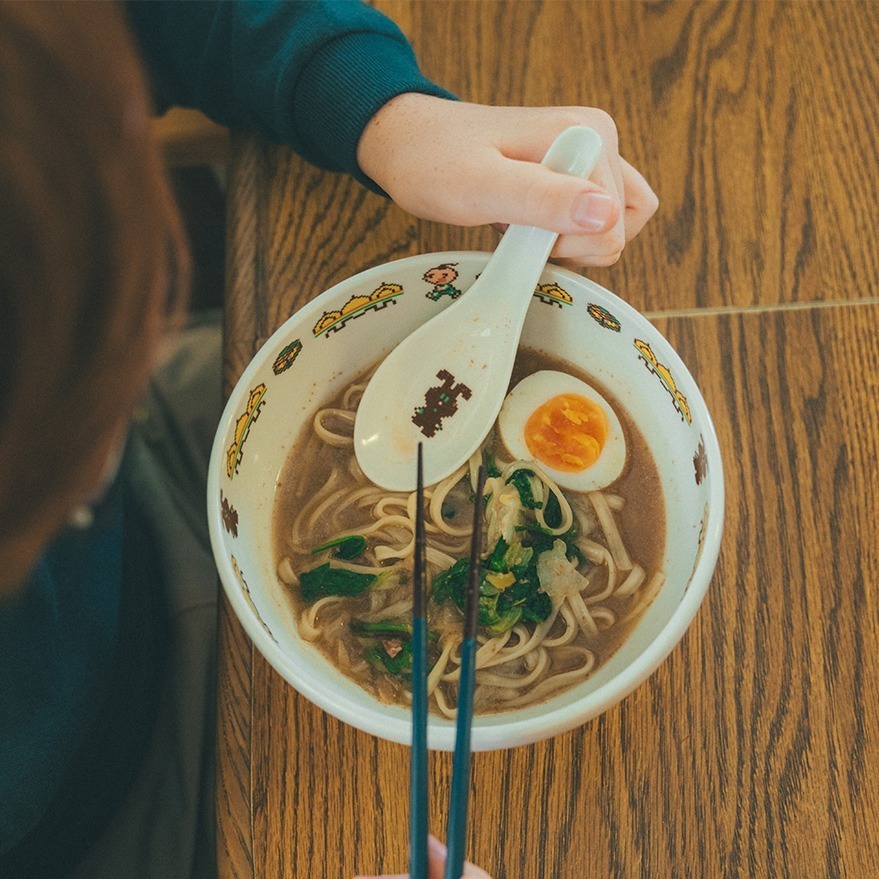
<point x="440" y="401"/>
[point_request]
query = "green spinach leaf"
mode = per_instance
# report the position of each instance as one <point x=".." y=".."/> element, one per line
<point x="326" y="580"/>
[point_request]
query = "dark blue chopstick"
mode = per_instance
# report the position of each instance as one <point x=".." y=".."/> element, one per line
<point x="418" y="757"/>
<point x="456" y="834"/>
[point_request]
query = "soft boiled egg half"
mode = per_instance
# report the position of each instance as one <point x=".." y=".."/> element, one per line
<point x="566" y="427"/>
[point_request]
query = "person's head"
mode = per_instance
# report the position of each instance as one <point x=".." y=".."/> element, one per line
<point x="92" y="260"/>
<point x="442" y="274"/>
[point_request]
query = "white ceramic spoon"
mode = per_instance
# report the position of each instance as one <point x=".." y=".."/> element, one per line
<point x="445" y="383"/>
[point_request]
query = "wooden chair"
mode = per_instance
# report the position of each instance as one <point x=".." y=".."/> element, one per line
<point x="189" y="138"/>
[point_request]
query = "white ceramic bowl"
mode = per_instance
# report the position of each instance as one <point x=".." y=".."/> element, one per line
<point x="350" y="327"/>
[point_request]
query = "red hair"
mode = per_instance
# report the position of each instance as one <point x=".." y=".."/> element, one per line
<point x="93" y="256"/>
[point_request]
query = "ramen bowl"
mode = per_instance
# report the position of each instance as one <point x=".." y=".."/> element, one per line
<point x="343" y="333"/>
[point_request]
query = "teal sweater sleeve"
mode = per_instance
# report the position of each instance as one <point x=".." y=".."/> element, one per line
<point x="307" y="74"/>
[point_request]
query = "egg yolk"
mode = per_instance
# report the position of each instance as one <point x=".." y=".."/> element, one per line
<point x="567" y="432"/>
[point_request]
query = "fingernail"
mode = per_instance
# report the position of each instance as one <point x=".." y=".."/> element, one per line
<point x="593" y="211"/>
<point x="438" y="849"/>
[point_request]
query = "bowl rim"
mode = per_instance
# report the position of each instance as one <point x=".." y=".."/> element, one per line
<point x="494" y="731"/>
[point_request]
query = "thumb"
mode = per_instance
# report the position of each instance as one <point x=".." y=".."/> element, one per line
<point x="529" y="194"/>
<point x="437" y="854"/>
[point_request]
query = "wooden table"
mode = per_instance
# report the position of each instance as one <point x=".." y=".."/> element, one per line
<point x="753" y="750"/>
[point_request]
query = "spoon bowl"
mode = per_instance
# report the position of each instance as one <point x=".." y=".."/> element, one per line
<point x="444" y="384"/>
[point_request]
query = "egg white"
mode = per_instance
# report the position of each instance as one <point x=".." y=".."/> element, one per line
<point x="531" y="393"/>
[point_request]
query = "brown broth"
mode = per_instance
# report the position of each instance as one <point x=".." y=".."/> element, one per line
<point x="306" y="473"/>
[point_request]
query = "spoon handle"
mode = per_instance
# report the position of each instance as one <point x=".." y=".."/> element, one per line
<point x="523" y="251"/>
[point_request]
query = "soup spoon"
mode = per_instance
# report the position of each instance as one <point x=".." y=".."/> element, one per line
<point x="444" y="384"/>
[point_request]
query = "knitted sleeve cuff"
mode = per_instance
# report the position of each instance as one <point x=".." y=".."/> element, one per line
<point x="342" y="87"/>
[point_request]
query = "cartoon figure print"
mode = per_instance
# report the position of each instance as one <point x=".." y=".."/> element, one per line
<point x="285" y="359"/>
<point x="700" y="461"/>
<point x="249" y="598"/>
<point x="603" y="317"/>
<point x="552" y="294"/>
<point x="441" y="278"/>
<point x="242" y="429"/>
<point x="333" y="321"/>
<point x="661" y="371"/>
<point x="229" y="515"/>
<point x="440" y="401"/>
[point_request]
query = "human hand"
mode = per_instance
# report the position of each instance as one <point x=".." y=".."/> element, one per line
<point x="437" y="864"/>
<point x="469" y="164"/>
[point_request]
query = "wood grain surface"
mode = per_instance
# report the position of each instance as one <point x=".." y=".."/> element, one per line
<point x="751" y="751"/>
